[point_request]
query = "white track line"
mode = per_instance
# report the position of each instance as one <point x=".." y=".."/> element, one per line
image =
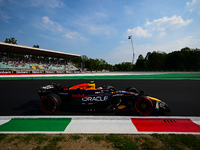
<point x="3" y="121"/>
<point x="101" y="126"/>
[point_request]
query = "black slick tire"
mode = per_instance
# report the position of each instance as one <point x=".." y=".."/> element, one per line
<point x="50" y="103"/>
<point x="143" y="106"/>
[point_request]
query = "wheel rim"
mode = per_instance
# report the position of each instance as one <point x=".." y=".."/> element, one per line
<point x="144" y="106"/>
<point x="48" y="105"/>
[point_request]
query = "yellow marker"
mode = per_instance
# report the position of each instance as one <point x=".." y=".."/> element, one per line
<point x="121" y="106"/>
<point x="154" y="99"/>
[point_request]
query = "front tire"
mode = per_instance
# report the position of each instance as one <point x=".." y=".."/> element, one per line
<point x="50" y="103"/>
<point x="144" y="106"/>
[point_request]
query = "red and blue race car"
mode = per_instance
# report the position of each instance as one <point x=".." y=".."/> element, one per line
<point x="88" y="97"/>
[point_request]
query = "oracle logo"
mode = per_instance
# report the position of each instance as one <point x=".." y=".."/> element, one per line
<point x="95" y="98"/>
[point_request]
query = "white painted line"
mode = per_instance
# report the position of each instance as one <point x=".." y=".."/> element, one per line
<point x="3" y="121"/>
<point x="101" y="126"/>
<point x="196" y="120"/>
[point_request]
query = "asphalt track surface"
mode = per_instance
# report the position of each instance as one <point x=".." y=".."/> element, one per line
<point x="19" y="97"/>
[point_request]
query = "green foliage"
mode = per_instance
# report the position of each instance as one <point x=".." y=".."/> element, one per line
<point x="91" y="64"/>
<point x="176" y="141"/>
<point x="2" y="137"/>
<point x="123" y="143"/>
<point x="146" y="143"/>
<point x="184" y="60"/>
<point x="53" y="143"/>
<point x="39" y="138"/>
<point x="75" y="137"/>
<point x="96" y="138"/>
<point x="57" y="139"/>
<point x="125" y="66"/>
<point x="36" y="46"/>
<point x="141" y="63"/>
<point x="17" y="137"/>
<point x="10" y="40"/>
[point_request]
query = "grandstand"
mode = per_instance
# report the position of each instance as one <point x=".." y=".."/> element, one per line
<point x="34" y="60"/>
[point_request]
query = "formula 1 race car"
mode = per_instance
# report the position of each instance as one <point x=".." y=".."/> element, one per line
<point x="88" y="97"/>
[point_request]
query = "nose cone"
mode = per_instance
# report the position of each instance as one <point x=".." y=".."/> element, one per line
<point x="164" y="107"/>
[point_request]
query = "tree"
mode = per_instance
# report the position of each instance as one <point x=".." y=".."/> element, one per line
<point x="184" y="59"/>
<point x="141" y="63"/>
<point x="156" y="60"/>
<point x="102" y="64"/>
<point x="10" y="40"/>
<point x="91" y="64"/>
<point x="147" y="56"/>
<point x="36" y="46"/>
<point x="124" y="66"/>
<point x="84" y="58"/>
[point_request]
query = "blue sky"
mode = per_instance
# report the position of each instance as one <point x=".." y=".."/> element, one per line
<point x="100" y="28"/>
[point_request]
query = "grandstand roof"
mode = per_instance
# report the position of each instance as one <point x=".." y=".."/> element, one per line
<point x="13" y="48"/>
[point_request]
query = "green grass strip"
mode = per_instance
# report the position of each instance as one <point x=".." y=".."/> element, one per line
<point x="145" y="76"/>
<point x="28" y="125"/>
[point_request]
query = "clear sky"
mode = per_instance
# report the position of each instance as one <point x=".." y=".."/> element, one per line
<point x="100" y="28"/>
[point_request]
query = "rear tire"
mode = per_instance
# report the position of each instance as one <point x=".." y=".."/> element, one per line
<point x="50" y="103"/>
<point x="144" y="106"/>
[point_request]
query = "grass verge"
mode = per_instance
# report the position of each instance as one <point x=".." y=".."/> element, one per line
<point x="98" y="142"/>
